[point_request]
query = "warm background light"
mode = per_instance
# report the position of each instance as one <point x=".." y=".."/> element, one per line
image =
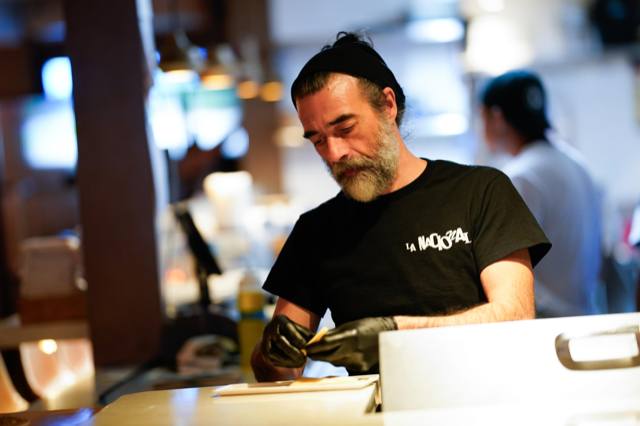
<point x="248" y="89"/>
<point x="48" y="346"/>
<point x="217" y="81"/>
<point x="271" y="91"/>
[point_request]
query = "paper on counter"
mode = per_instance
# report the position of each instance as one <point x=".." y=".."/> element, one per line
<point x="303" y="384"/>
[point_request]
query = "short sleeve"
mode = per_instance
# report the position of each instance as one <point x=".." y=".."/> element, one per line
<point x="291" y="277"/>
<point x="505" y="224"/>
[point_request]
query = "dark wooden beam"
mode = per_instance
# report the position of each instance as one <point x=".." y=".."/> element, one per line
<point x="115" y="176"/>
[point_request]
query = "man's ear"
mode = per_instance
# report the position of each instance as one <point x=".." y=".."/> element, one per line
<point x="391" y="107"/>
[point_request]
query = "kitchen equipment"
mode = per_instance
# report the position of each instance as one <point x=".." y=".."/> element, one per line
<point x="579" y="360"/>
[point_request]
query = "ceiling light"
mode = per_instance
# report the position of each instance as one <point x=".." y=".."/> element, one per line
<point x="439" y="30"/>
<point x="444" y="124"/>
<point x="247" y="89"/>
<point x="218" y="71"/>
<point x="271" y="91"/>
<point x="493" y="6"/>
<point x="496" y="45"/>
<point x="216" y="79"/>
<point x="48" y="346"/>
<point x="175" y="55"/>
<point x="56" y="78"/>
<point x="236" y="145"/>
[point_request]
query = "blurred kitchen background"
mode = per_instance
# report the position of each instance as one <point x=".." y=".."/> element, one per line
<point x="152" y="164"/>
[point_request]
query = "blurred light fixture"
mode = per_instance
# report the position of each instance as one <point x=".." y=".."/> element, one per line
<point x="48" y="133"/>
<point x="290" y="136"/>
<point x="495" y="45"/>
<point x="445" y="124"/>
<point x="236" y="145"/>
<point x="438" y="30"/>
<point x="216" y="79"/>
<point x="177" y="58"/>
<point x="180" y="77"/>
<point x="256" y="78"/>
<point x="180" y="61"/>
<point x="48" y="346"/>
<point x="211" y="125"/>
<point x="56" y="78"/>
<point x="271" y="91"/>
<point x="231" y="194"/>
<point x="60" y="373"/>
<point x="247" y="89"/>
<point x="219" y="69"/>
<point x="492" y="6"/>
<point x="211" y="115"/>
<point x="168" y="123"/>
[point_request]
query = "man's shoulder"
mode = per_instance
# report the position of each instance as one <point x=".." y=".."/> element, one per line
<point x="449" y="170"/>
<point x="544" y="164"/>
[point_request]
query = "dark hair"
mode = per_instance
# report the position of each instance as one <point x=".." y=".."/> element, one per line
<point x="521" y="98"/>
<point x="351" y="54"/>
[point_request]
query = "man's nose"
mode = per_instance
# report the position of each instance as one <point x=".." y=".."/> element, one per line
<point x="336" y="150"/>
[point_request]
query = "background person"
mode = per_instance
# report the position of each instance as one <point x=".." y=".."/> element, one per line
<point x="557" y="189"/>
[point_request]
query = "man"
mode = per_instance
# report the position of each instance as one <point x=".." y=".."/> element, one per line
<point x="557" y="189"/>
<point x="407" y="243"/>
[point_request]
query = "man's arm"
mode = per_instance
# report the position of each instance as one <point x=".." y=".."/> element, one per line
<point x="508" y="285"/>
<point x="262" y="368"/>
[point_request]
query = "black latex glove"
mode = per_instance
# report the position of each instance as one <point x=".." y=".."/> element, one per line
<point x="353" y="345"/>
<point x="282" y="340"/>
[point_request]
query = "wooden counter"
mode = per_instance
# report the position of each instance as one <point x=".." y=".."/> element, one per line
<point x="12" y="333"/>
<point x="194" y="406"/>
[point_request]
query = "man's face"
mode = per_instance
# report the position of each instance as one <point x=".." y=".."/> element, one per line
<point x="356" y="142"/>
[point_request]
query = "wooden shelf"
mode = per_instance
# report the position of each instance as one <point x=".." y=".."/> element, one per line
<point x="12" y="333"/>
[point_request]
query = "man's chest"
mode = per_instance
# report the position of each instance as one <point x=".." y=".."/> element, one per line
<point x="410" y="250"/>
<point x="402" y="233"/>
<point x="418" y="267"/>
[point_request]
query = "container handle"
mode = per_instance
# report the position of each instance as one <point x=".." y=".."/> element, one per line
<point x="567" y="345"/>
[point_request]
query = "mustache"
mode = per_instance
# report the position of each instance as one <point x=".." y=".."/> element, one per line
<point x="343" y="166"/>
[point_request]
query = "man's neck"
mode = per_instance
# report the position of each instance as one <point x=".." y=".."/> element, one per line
<point x="409" y="168"/>
<point x="511" y="142"/>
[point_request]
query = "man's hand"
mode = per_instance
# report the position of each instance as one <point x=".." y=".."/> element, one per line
<point x="353" y="345"/>
<point x="282" y="340"/>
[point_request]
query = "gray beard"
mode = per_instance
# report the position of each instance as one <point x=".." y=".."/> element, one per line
<point x="375" y="174"/>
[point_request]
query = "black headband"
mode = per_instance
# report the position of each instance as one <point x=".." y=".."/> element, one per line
<point x="356" y="59"/>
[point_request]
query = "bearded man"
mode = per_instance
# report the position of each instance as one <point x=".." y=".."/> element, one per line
<point x="407" y="243"/>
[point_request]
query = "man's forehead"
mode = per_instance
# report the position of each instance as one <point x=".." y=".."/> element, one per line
<point x="341" y="80"/>
<point x="340" y="96"/>
<point x="337" y="84"/>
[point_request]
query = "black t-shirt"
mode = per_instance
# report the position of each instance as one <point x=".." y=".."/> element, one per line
<point x="415" y="251"/>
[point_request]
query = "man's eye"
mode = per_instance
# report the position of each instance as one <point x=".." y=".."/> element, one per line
<point x="346" y="130"/>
